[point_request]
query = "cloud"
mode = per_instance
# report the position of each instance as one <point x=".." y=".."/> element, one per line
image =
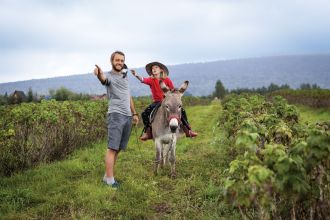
<point x="50" y="38"/>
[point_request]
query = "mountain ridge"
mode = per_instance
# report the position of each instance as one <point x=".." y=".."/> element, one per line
<point x="234" y="73"/>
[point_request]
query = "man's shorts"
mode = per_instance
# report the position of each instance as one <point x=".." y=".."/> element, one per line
<point x="119" y="130"/>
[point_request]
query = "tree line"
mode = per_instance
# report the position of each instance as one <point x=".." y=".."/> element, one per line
<point x="220" y="91"/>
<point x="61" y="94"/>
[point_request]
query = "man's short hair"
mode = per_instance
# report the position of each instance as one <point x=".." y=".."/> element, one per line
<point x="114" y="53"/>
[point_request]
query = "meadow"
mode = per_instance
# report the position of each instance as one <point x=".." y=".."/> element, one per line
<point x="71" y="188"/>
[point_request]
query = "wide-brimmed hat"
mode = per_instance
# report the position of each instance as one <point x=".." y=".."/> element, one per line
<point x="162" y="66"/>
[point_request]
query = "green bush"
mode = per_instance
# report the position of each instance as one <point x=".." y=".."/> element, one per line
<point x="31" y="133"/>
<point x="279" y="167"/>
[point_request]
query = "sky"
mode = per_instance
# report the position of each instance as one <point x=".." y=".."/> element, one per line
<point x="42" y="39"/>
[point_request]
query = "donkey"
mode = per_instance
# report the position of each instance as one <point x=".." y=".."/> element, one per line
<point x="165" y="126"/>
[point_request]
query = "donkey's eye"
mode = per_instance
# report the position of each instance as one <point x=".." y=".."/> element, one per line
<point x="180" y="106"/>
<point x="167" y="107"/>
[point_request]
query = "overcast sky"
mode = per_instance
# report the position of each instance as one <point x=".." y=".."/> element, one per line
<point x="40" y="39"/>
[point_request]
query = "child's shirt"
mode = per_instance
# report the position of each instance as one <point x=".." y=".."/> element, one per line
<point x="156" y="91"/>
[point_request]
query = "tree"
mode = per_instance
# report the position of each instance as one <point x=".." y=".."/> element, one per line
<point x="315" y="86"/>
<point x="30" y="95"/>
<point x="273" y="87"/>
<point x="285" y="86"/>
<point x="52" y="93"/>
<point x="305" y="86"/>
<point x="4" y="99"/>
<point x="220" y="91"/>
<point x="63" y="94"/>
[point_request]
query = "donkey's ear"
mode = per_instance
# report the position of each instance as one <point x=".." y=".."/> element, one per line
<point x="183" y="87"/>
<point x="163" y="86"/>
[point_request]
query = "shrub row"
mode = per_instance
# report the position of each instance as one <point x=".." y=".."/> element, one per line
<point x="316" y="98"/>
<point x="31" y="133"/>
<point x="279" y="167"/>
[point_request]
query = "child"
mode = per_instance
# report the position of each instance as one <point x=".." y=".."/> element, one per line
<point x="158" y="71"/>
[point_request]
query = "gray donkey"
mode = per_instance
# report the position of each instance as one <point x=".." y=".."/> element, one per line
<point x="165" y="126"/>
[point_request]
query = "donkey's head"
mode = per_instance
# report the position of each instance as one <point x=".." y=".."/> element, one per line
<point x="172" y="104"/>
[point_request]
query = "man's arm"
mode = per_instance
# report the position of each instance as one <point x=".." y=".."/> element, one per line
<point x="100" y="75"/>
<point x="135" y="115"/>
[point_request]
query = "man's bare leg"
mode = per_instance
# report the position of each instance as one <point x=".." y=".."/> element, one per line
<point x="116" y="156"/>
<point x="110" y="159"/>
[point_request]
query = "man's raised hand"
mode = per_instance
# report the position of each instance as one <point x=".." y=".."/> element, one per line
<point x="97" y="70"/>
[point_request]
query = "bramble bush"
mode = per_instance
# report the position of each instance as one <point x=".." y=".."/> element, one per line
<point x="31" y="133"/>
<point x="279" y="167"/>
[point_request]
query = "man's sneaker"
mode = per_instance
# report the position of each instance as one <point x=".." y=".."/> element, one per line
<point x="114" y="185"/>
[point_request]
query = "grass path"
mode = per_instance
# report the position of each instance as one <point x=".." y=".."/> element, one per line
<point x="73" y="189"/>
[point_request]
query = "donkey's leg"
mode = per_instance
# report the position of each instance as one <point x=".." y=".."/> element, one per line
<point x="162" y="157"/>
<point x="165" y="154"/>
<point x="158" y="147"/>
<point x="172" y="159"/>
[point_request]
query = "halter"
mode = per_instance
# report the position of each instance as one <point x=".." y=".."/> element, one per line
<point x="173" y="116"/>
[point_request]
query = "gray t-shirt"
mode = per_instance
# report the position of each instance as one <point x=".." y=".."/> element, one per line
<point x="118" y="93"/>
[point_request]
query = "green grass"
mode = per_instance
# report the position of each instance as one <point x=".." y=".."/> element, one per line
<point x="72" y="189"/>
<point x="312" y="115"/>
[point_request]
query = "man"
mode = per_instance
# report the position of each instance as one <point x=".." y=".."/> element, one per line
<point x="120" y="112"/>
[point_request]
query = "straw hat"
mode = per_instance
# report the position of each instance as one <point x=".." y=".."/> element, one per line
<point x="162" y="66"/>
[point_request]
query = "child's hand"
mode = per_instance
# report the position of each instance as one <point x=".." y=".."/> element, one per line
<point x="163" y="75"/>
<point x="133" y="72"/>
<point x="136" y="75"/>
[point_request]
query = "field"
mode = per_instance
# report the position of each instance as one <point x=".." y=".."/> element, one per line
<point x="72" y="188"/>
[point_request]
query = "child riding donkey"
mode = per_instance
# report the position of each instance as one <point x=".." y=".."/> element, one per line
<point x="158" y="72"/>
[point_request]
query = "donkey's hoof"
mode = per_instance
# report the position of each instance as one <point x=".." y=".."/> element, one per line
<point x="173" y="175"/>
<point x="155" y="173"/>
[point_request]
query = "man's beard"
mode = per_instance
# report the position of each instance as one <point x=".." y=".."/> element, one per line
<point x="115" y="68"/>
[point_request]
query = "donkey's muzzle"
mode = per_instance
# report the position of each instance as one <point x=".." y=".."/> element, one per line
<point x="173" y="129"/>
<point x="174" y="124"/>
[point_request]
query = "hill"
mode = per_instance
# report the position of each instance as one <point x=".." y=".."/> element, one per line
<point x="249" y="73"/>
